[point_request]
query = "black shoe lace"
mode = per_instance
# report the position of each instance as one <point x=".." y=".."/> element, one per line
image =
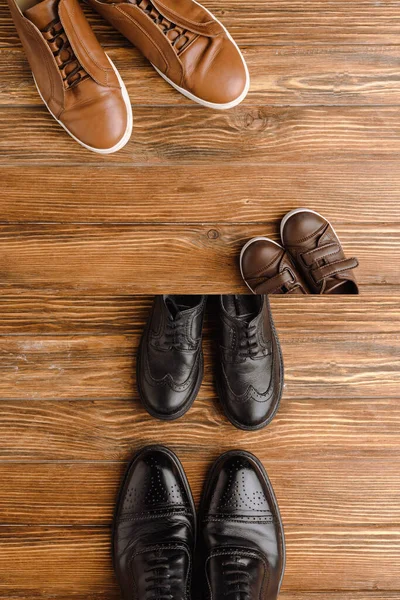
<point x="174" y="332"/>
<point x="177" y="36"/>
<point x="158" y="579"/>
<point x="248" y="343"/>
<point x="58" y="37"/>
<point x="236" y="579"/>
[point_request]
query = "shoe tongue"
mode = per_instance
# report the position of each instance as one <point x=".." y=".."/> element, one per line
<point x="247" y="318"/>
<point x="176" y="307"/>
<point x="42" y="14"/>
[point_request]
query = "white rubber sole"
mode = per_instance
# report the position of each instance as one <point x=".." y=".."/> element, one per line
<point x="200" y="100"/>
<point x="247" y="244"/>
<point x="128" y="132"/>
<point x="295" y="212"/>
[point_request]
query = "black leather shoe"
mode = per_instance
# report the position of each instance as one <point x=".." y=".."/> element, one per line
<point x="242" y="544"/>
<point x="154" y="528"/>
<point x="250" y="374"/>
<point x="170" y="359"/>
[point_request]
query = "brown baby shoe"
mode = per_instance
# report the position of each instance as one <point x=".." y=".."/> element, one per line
<point x="315" y="248"/>
<point x="267" y="268"/>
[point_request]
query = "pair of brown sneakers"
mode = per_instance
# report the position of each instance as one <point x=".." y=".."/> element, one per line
<point x="309" y="261"/>
<point x="83" y="90"/>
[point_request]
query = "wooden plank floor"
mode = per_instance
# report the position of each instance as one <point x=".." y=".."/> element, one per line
<point x="85" y="240"/>
<point x="320" y="128"/>
<point x="71" y="418"/>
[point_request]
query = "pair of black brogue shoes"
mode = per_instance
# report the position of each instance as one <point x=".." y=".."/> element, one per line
<point x="249" y="375"/>
<point x="239" y="548"/>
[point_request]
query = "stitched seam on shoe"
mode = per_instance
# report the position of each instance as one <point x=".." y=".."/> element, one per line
<point x="263" y="513"/>
<point x="246" y="396"/>
<point x="272" y="278"/>
<point x="152" y="516"/>
<point x="261" y="270"/>
<point x="308" y="237"/>
<point x="167" y="379"/>
<point x="335" y="272"/>
<point x="243" y="520"/>
<point x="323" y="257"/>
<point x="318" y="248"/>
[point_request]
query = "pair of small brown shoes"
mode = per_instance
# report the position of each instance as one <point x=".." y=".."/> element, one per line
<point x="309" y="261"/>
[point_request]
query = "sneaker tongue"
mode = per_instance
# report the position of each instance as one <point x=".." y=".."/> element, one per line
<point x="42" y="14"/>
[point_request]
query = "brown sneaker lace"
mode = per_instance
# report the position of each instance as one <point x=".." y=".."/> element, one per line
<point x="71" y="69"/>
<point x="178" y="37"/>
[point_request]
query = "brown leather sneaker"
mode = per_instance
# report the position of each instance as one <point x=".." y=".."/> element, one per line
<point x="315" y="248"/>
<point x="267" y="268"/>
<point x="75" y="79"/>
<point x="186" y="44"/>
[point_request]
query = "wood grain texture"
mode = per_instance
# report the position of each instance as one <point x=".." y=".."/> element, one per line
<point x="311" y="493"/>
<point x="81" y="234"/>
<point x="43" y="367"/>
<point x="54" y="560"/>
<point x="156" y="259"/>
<point x="104" y="430"/>
<point x="277" y="22"/>
<point x="284" y="595"/>
<point x="345" y="193"/>
<point x="195" y="135"/>
<point x="24" y="312"/>
<point x="333" y="75"/>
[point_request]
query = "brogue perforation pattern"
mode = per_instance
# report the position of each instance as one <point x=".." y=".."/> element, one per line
<point x="153" y="491"/>
<point x="236" y="496"/>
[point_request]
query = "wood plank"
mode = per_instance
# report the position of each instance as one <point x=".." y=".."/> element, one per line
<point x="158" y="259"/>
<point x="358" y="365"/>
<point x="365" y="595"/>
<point x="322" y="75"/>
<point x="277" y="22"/>
<point x="345" y="193"/>
<point x="24" y="312"/>
<point x="54" y="560"/>
<point x="194" y="135"/>
<point x="284" y="595"/>
<point x="363" y="493"/>
<point x="104" y="430"/>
